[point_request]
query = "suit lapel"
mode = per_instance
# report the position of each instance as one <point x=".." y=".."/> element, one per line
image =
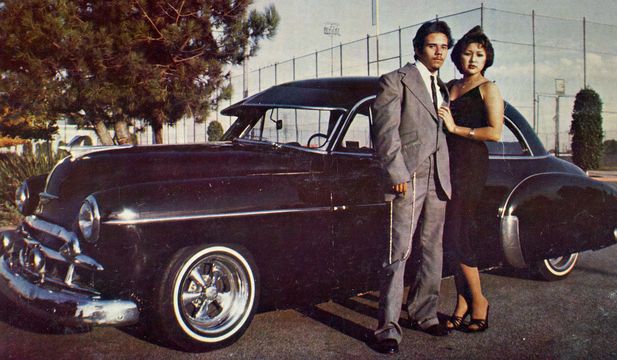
<point x="413" y="81"/>
<point x="444" y="91"/>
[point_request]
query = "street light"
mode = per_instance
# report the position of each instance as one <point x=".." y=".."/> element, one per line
<point x="332" y="29"/>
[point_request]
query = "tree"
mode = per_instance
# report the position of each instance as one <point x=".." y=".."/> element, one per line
<point x="215" y="131"/>
<point x="118" y="60"/>
<point x="586" y="129"/>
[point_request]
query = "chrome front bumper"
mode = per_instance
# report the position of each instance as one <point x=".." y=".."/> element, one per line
<point x="60" y="299"/>
<point x="66" y="307"/>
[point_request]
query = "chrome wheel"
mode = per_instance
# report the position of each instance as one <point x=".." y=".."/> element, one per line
<point x="214" y="294"/>
<point x="556" y="268"/>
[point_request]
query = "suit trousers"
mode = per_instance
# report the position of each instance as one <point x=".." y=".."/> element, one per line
<point x="424" y="199"/>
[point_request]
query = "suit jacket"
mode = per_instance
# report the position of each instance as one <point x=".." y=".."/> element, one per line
<point x="406" y="128"/>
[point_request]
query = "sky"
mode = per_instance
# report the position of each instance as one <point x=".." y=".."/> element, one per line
<point x="301" y="33"/>
<point x="301" y="28"/>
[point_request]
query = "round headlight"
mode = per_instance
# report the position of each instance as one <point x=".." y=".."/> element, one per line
<point x="89" y="219"/>
<point x="22" y="195"/>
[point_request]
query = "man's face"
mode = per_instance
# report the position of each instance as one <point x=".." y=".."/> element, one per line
<point x="434" y="52"/>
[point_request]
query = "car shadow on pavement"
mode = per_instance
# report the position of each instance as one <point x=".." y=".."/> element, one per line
<point x="338" y="323"/>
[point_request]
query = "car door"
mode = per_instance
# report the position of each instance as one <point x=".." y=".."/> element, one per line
<point x="361" y="216"/>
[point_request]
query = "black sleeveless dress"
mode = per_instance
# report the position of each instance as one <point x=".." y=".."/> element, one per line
<point x="468" y="171"/>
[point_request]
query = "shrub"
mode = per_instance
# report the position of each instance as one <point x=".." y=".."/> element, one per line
<point x="14" y="169"/>
<point x="215" y="131"/>
<point x="586" y="130"/>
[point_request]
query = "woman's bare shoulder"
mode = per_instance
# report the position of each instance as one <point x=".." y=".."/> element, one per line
<point x="490" y="89"/>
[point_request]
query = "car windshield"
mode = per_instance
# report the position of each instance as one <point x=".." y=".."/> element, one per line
<point x="306" y="127"/>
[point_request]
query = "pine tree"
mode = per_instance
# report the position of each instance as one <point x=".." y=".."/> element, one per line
<point x="118" y="60"/>
<point x="586" y="129"/>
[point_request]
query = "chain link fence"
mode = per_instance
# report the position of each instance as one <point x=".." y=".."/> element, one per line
<point x="532" y="53"/>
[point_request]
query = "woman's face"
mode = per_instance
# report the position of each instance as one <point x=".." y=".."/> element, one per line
<point x="473" y="59"/>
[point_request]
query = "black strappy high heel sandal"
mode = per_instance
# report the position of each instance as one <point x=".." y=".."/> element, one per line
<point x="457" y="321"/>
<point x="480" y="324"/>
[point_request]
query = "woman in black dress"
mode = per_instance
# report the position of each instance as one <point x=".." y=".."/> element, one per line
<point x="475" y="115"/>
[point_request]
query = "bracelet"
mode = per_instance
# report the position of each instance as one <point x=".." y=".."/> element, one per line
<point x="472" y="132"/>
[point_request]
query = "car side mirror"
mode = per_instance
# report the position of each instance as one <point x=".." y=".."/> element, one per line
<point x="279" y="124"/>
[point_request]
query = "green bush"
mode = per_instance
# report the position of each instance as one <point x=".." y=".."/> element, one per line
<point x="215" y="131"/>
<point x="586" y="130"/>
<point x="14" y="169"/>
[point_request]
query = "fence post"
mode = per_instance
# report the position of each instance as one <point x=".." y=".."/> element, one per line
<point x="341" y="56"/>
<point x="368" y="54"/>
<point x="482" y="15"/>
<point x="584" y="53"/>
<point x="533" y="46"/>
<point x="400" y="49"/>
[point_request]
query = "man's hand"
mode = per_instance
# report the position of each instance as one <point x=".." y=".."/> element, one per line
<point x="400" y="188"/>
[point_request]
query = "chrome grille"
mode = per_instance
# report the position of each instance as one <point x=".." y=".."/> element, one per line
<point x="64" y="266"/>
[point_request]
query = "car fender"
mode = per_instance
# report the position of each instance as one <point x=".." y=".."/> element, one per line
<point x="554" y="214"/>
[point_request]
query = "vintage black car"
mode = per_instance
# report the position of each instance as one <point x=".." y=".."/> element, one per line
<point x="287" y="210"/>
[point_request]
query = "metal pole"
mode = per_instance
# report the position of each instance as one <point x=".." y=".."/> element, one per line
<point x="316" y="64"/>
<point x="259" y="79"/>
<point x="276" y="73"/>
<point x="557" y="125"/>
<point x="331" y="55"/>
<point x="341" y="57"/>
<point x="293" y="62"/>
<point x="482" y="15"/>
<point x="368" y="54"/>
<point x="378" y="33"/>
<point x="400" y="49"/>
<point x="533" y="41"/>
<point x="584" y="53"/>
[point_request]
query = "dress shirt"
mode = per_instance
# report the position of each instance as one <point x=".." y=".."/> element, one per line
<point x="426" y="77"/>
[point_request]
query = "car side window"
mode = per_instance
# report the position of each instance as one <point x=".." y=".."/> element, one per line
<point x="357" y="137"/>
<point x="510" y="144"/>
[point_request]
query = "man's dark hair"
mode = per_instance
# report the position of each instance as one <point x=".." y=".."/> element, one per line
<point x="429" y="28"/>
<point x="475" y="35"/>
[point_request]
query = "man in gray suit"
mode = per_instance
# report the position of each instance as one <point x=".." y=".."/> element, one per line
<point x="412" y="146"/>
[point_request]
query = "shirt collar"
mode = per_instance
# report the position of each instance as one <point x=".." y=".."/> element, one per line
<point x="424" y="72"/>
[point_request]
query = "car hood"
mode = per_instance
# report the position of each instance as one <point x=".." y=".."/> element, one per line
<point x="76" y="177"/>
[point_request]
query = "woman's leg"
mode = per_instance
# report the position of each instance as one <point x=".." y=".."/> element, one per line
<point x="479" y="303"/>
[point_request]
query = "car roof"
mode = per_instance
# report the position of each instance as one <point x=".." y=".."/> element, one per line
<point x="342" y="92"/>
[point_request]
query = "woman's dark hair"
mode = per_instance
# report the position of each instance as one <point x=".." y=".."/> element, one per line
<point x="429" y="28"/>
<point x="475" y="35"/>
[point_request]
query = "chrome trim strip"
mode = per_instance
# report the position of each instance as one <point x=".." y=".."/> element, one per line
<point x="341" y="123"/>
<point x="520" y="133"/>
<point x="351" y="153"/>
<point x="510" y="241"/>
<point x="64" y="306"/>
<point x="213" y="216"/>
<point x="518" y="157"/>
<point x="47" y="196"/>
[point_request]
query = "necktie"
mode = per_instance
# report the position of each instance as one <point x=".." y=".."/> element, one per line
<point x="434" y="92"/>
